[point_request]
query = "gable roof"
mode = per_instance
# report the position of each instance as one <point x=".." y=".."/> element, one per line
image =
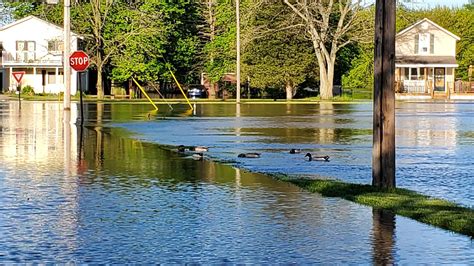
<point x="38" y="19"/>
<point x="432" y="23"/>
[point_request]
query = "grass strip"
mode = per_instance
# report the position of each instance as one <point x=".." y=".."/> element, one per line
<point x="433" y="211"/>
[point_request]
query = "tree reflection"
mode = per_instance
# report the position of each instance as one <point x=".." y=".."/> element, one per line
<point x="383" y="237"/>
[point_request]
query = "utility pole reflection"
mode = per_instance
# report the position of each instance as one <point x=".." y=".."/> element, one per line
<point x="67" y="141"/>
<point x="383" y="237"/>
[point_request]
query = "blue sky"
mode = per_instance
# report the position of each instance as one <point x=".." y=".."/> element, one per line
<point x="434" y="3"/>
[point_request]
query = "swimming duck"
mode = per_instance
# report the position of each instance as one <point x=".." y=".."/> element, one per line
<point x="317" y="158"/>
<point x="295" y="151"/>
<point x="199" y="149"/>
<point x="181" y="148"/>
<point x="249" y="155"/>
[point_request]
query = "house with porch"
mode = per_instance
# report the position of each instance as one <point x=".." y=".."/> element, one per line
<point x="34" y="46"/>
<point x="425" y="61"/>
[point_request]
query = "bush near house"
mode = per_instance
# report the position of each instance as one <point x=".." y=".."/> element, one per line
<point x="28" y="90"/>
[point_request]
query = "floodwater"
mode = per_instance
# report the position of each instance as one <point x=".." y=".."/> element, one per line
<point x="99" y="195"/>
<point x="435" y="141"/>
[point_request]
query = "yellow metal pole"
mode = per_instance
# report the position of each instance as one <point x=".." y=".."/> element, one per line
<point x="179" y="86"/>
<point x="148" y="97"/>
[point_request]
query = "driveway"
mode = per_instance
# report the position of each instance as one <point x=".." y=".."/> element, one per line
<point x="4" y="97"/>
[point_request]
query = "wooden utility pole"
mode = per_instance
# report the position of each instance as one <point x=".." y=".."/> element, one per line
<point x="383" y="153"/>
<point x="67" y="52"/>
<point x="237" y="13"/>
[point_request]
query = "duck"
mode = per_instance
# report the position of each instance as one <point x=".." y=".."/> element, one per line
<point x="199" y="149"/>
<point x="317" y="158"/>
<point x="295" y="151"/>
<point x="181" y="148"/>
<point x="249" y="155"/>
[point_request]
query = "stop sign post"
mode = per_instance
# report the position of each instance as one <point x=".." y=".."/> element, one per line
<point x="79" y="61"/>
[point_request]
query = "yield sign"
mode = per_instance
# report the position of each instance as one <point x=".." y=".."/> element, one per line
<point x="18" y="75"/>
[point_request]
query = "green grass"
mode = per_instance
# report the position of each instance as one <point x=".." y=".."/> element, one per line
<point x="433" y="211"/>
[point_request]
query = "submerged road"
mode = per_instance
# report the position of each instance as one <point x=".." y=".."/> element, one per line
<point x="102" y="196"/>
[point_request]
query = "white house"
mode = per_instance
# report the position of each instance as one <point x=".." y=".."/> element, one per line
<point x="36" y="47"/>
<point x="425" y="60"/>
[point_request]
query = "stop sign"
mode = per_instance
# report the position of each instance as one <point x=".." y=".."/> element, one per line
<point x="79" y="61"/>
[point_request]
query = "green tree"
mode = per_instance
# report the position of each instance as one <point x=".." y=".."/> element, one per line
<point x="108" y="26"/>
<point x="278" y="58"/>
<point x="219" y="51"/>
<point x="170" y="42"/>
<point x="328" y="24"/>
<point x="360" y="78"/>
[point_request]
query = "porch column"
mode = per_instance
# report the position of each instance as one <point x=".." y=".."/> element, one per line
<point x="454" y="80"/>
<point x="35" y="82"/>
<point x="426" y="79"/>
<point x="448" y="91"/>
<point x="433" y="83"/>
<point x="11" y="80"/>
<point x="56" y="82"/>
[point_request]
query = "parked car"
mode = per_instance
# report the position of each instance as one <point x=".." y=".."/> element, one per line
<point x="197" y="91"/>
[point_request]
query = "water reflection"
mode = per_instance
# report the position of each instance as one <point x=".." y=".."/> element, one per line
<point x="383" y="237"/>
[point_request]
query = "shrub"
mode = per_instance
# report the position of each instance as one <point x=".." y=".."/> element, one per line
<point x="28" y="90"/>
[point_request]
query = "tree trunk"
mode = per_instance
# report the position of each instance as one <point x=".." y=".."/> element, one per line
<point x="289" y="90"/>
<point x="212" y="90"/>
<point x="326" y="76"/>
<point x="130" y="89"/>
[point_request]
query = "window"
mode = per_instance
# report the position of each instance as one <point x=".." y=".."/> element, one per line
<point x="406" y="73"/>
<point x="22" y="46"/>
<point x="55" y="46"/>
<point x="413" y="73"/>
<point x="25" y="51"/>
<point x="424" y="43"/>
<point x="51" y="77"/>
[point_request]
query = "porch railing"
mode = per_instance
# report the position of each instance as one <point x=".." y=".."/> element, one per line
<point x="29" y="58"/>
<point x="414" y="86"/>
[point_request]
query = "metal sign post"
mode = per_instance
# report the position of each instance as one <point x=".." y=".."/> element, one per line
<point x="18" y="75"/>
<point x="79" y="61"/>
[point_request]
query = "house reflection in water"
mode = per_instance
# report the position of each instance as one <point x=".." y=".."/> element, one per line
<point x="40" y="169"/>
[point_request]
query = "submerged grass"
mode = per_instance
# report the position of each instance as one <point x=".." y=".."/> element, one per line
<point x="433" y="211"/>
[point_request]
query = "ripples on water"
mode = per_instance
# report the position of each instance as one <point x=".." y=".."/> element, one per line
<point x="117" y="200"/>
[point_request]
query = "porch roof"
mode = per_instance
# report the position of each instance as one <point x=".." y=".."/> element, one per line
<point x="426" y="61"/>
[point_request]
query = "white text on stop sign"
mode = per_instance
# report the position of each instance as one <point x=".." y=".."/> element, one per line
<point x="78" y="61"/>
